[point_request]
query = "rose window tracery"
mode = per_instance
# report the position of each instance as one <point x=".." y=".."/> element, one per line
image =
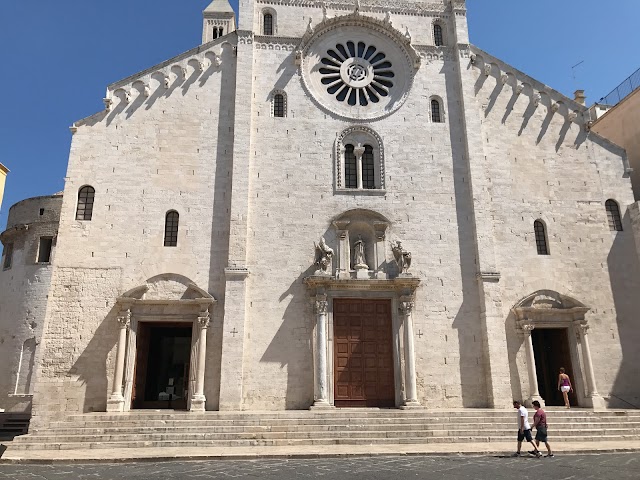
<point x="358" y="74"/>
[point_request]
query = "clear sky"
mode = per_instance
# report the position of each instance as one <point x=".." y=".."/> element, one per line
<point x="58" y="56"/>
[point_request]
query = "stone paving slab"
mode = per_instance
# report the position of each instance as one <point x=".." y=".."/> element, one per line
<point x="620" y="466"/>
<point x="249" y="453"/>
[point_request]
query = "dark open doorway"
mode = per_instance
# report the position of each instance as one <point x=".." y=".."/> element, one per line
<point x="551" y="350"/>
<point x="162" y="366"/>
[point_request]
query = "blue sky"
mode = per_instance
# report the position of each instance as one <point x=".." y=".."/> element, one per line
<point x="59" y="56"/>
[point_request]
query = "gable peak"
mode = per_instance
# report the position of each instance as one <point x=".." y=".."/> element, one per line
<point x="219" y="6"/>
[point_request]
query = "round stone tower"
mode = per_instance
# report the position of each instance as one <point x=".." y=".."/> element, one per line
<point x="25" y="276"/>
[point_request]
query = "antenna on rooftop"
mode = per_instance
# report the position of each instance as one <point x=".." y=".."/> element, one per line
<point x="573" y="70"/>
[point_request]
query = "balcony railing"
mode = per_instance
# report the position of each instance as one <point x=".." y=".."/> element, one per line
<point x="623" y="90"/>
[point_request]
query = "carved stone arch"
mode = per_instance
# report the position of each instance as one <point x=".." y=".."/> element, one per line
<point x="166" y="297"/>
<point x="363" y="135"/>
<point x="369" y="227"/>
<point x="548" y="309"/>
<point x="274" y="16"/>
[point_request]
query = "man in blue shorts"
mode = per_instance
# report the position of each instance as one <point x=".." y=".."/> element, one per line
<point x="524" y="429"/>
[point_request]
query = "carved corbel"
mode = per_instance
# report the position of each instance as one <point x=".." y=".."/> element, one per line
<point x="588" y="125"/>
<point x="555" y="106"/>
<point x="108" y="103"/>
<point x="487" y="69"/>
<point x="520" y="88"/>
<point x="73" y="128"/>
<point x="572" y="116"/>
<point x="167" y="81"/>
<point x="387" y="18"/>
<point x="127" y="97"/>
<point x="537" y="97"/>
<point x="298" y="58"/>
<point x="473" y="58"/>
<point x="204" y="319"/>
<point x="147" y="91"/>
<point x="504" y="78"/>
<point x="407" y="34"/>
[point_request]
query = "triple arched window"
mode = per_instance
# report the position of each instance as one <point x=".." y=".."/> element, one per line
<point x="86" y="197"/>
<point x="171" y="223"/>
<point x="613" y="215"/>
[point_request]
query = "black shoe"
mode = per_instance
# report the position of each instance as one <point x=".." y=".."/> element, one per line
<point x="548" y="455"/>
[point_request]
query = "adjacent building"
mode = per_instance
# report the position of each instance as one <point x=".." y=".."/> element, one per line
<point x="330" y="205"/>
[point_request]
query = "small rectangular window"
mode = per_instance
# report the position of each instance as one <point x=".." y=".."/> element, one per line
<point x="44" y="250"/>
<point x="8" y="256"/>
<point x="41" y="211"/>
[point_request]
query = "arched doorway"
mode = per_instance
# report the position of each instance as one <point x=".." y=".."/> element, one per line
<point x="554" y="327"/>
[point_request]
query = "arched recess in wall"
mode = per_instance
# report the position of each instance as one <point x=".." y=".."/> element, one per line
<point x="359" y="160"/>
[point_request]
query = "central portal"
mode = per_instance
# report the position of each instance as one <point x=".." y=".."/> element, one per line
<point x="162" y="366"/>
<point x="363" y="353"/>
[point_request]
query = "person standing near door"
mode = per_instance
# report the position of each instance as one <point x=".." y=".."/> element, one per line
<point x="564" y="385"/>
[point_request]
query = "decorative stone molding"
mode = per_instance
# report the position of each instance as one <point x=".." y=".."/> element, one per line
<point x="406" y="306"/>
<point x="204" y="319"/>
<point x="238" y="272"/>
<point x="124" y="319"/>
<point x="400" y="7"/>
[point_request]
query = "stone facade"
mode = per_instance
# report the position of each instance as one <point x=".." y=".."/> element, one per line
<point x="460" y="184"/>
<point x="24" y="287"/>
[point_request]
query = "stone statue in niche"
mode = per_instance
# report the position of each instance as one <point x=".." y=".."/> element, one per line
<point x="359" y="258"/>
<point x="403" y="258"/>
<point x="324" y="257"/>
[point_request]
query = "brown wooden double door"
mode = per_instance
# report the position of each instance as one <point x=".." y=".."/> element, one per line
<point x="363" y="353"/>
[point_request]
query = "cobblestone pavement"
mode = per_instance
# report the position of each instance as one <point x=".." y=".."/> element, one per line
<point x="604" y="466"/>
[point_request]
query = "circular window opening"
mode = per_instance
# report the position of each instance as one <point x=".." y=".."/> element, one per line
<point x="358" y="74"/>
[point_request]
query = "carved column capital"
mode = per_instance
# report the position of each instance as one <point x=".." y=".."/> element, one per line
<point x="582" y="329"/>
<point x="406" y="307"/>
<point x="124" y="319"/>
<point x="321" y="306"/>
<point x="527" y="328"/>
<point x="204" y="319"/>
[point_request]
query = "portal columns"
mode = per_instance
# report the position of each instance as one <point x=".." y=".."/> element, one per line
<point x="199" y="400"/>
<point x="411" y="389"/>
<point x="593" y="397"/>
<point x="116" y="401"/>
<point x="321" y="308"/>
<point x="534" y="393"/>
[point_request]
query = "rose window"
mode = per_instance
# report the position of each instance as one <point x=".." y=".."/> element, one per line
<point x="358" y="74"/>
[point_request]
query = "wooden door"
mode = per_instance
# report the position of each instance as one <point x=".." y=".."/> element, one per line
<point x="552" y="351"/>
<point x="143" y="339"/>
<point x="363" y="353"/>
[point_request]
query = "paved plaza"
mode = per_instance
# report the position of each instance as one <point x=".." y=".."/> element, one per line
<point x="595" y="466"/>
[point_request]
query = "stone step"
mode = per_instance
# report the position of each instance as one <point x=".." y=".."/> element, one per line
<point x="298" y="442"/>
<point x="134" y="420"/>
<point x="206" y="428"/>
<point x="343" y="413"/>
<point x="364" y="433"/>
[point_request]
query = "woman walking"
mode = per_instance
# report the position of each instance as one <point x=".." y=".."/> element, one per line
<point x="564" y="385"/>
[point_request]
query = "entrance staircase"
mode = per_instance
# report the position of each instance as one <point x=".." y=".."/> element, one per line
<point x="156" y="429"/>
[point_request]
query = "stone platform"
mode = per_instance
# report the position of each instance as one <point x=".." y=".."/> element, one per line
<point x="166" y="434"/>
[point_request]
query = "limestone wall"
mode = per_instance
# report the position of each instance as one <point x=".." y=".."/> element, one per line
<point x="158" y="148"/>
<point x="544" y="165"/>
<point x="23" y="297"/>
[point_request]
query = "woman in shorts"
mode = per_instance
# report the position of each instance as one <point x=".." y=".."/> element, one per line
<point x="564" y="385"/>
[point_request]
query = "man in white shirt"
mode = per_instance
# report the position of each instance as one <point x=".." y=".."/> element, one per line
<point x="524" y="429"/>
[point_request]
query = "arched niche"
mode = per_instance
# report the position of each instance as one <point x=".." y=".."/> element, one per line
<point x="369" y="228"/>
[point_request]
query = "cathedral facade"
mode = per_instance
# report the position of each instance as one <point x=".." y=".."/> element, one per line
<point x="330" y="205"/>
